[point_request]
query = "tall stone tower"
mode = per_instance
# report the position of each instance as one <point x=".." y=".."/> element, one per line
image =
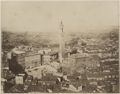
<point x="61" y="43"/>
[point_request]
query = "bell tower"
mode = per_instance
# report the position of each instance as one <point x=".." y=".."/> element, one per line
<point x="61" y="43"/>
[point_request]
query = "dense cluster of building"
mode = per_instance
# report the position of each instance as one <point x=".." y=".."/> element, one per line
<point x="85" y="68"/>
<point x="41" y="71"/>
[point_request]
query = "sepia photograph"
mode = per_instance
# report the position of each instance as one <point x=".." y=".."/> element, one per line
<point x="60" y="46"/>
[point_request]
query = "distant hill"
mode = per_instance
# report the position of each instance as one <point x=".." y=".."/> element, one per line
<point x="39" y="39"/>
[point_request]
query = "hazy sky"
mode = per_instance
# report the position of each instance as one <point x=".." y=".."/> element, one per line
<point x="46" y="16"/>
